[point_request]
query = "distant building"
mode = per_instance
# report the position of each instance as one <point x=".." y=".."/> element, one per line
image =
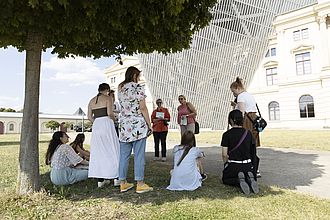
<point x="11" y="122"/>
<point x="292" y="84"/>
<point x="115" y="74"/>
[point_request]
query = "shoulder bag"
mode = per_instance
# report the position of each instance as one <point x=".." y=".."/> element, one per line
<point x="196" y="123"/>
<point x="259" y="124"/>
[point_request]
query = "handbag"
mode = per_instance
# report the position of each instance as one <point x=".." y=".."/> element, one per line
<point x="165" y="121"/>
<point x="259" y="124"/>
<point x="196" y="123"/>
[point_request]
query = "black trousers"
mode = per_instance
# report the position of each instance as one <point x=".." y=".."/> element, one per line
<point x="162" y="136"/>
<point x="230" y="173"/>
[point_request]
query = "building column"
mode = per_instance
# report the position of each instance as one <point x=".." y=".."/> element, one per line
<point x="325" y="33"/>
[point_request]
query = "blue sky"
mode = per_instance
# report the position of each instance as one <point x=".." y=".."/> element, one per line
<point x="65" y="85"/>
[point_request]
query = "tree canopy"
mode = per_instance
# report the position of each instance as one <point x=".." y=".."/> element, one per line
<point x="104" y="27"/>
<point x="52" y="124"/>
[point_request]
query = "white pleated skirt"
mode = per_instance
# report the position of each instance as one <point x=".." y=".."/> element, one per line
<point x="105" y="152"/>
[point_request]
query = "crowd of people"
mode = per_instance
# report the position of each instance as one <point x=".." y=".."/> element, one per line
<point x="119" y="128"/>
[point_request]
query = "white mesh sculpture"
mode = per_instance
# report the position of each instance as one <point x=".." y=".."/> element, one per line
<point x="232" y="45"/>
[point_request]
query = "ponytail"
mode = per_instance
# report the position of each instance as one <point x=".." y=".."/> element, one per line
<point x="238" y="83"/>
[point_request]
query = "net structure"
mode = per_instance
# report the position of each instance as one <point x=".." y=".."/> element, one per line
<point x="232" y="45"/>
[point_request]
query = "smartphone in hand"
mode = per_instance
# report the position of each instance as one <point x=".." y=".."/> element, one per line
<point x="149" y="133"/>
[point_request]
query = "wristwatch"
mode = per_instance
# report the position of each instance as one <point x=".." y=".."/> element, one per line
<point x="187" y="115"/>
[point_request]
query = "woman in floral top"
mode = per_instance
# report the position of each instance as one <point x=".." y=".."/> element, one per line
<point x="134" y="127"/>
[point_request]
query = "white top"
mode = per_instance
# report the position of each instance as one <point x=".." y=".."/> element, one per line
<point x="248" y="99"/>
<point x="186" y="176"/>
<point x="116" y="107"/>
<point x="64" y="156"/>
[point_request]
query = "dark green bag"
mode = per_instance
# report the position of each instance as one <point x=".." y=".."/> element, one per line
<point x="196" y="123"/>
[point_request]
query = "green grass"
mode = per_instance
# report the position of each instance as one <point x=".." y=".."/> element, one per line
<point x="84" y="200"/>
<point x="303" y="139"/>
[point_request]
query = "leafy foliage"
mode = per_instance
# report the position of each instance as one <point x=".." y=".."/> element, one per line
<point x="53" y="124"/>
<point x="7" y="110"/>
<point x="104" y="27"/>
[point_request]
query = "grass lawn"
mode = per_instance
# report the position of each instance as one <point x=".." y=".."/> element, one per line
<point x="84" y="200"/>
<point x="302" y="139"/>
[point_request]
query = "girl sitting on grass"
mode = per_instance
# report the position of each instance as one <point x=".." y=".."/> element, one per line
<point x="239" y="155"/>
<point x="188" y="171"/>
<point x="78" y="146"/>
<point x="66" y="166"/>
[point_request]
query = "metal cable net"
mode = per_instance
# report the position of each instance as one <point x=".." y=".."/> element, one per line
<point x="232" y="45"/>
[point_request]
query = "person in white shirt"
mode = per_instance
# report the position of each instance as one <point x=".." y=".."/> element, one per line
<point x="116" y="110"/>
<point x="66" y="166"/>
<point x="246" y="104"/>
<point x="188" y="171"/>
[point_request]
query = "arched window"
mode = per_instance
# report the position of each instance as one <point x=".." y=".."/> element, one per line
<point x="274" y="111"/>
<point x="306" y="105"/>
<point x="11" y="127"/>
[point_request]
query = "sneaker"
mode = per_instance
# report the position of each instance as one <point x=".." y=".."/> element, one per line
<point x="164" y="159"/>
<point x="156" y="159"/>
<point x="258" y="174"/>
<point x="126" y="186"/>
<point x="204" y="177"/>
<point x="101" y="184"/>
<point x="116" y="182"/>
<point x="144" y="188"/>
<point x="244" y="186"/>
<point x="252" y="182"/>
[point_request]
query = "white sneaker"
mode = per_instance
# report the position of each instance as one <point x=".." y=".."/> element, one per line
<point x="116" y="182"/>
<point x="101" y="184"/>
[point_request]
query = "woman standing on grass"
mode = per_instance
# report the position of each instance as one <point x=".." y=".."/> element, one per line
<point x="104" y="157"/>
<point x="134" y="127"/>
<point x="186" y="115"/>
<point x="239" y="155"/>
<point x="66" y="166"/>
<point x="78" y="146"/>
<point x="188" y="171"/>
<point x="159" y="117"/>
<point x="247" y="105"/>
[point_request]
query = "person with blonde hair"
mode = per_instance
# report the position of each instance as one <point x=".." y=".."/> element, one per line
<point x="247" y="105"/>
<point x="134" y="127"/>
<point x="188" y="172"/>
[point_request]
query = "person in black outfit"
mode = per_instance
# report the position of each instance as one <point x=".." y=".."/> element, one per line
<point x="239" y="155"/>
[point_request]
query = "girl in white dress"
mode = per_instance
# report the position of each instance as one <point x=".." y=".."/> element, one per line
<point x="104" y="156"/>
<point x="188" y="171"/>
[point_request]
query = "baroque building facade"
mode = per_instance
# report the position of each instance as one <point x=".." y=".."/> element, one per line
<point x="292" y="84"/>
<point x="232" y="45"/>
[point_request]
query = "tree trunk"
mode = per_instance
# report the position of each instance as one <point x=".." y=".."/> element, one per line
<point x="28" y="180"/>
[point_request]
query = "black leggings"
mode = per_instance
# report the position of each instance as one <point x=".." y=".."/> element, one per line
<point x="162" y="136"/>
<point x="230" y="173"/>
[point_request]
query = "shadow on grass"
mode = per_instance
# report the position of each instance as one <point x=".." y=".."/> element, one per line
<point x="284" y="168"/>
<point x="157" y="176"/>
<point x="6" y="143"/>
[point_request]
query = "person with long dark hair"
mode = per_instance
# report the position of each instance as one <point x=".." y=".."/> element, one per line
<point x="66" y="166"/>
<point x="135" y="126"/>
<point x="188" y="171"/>
<point x="239" y="155"/>
<point x="104" y="156"/>
<point x="78" y="146"/>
